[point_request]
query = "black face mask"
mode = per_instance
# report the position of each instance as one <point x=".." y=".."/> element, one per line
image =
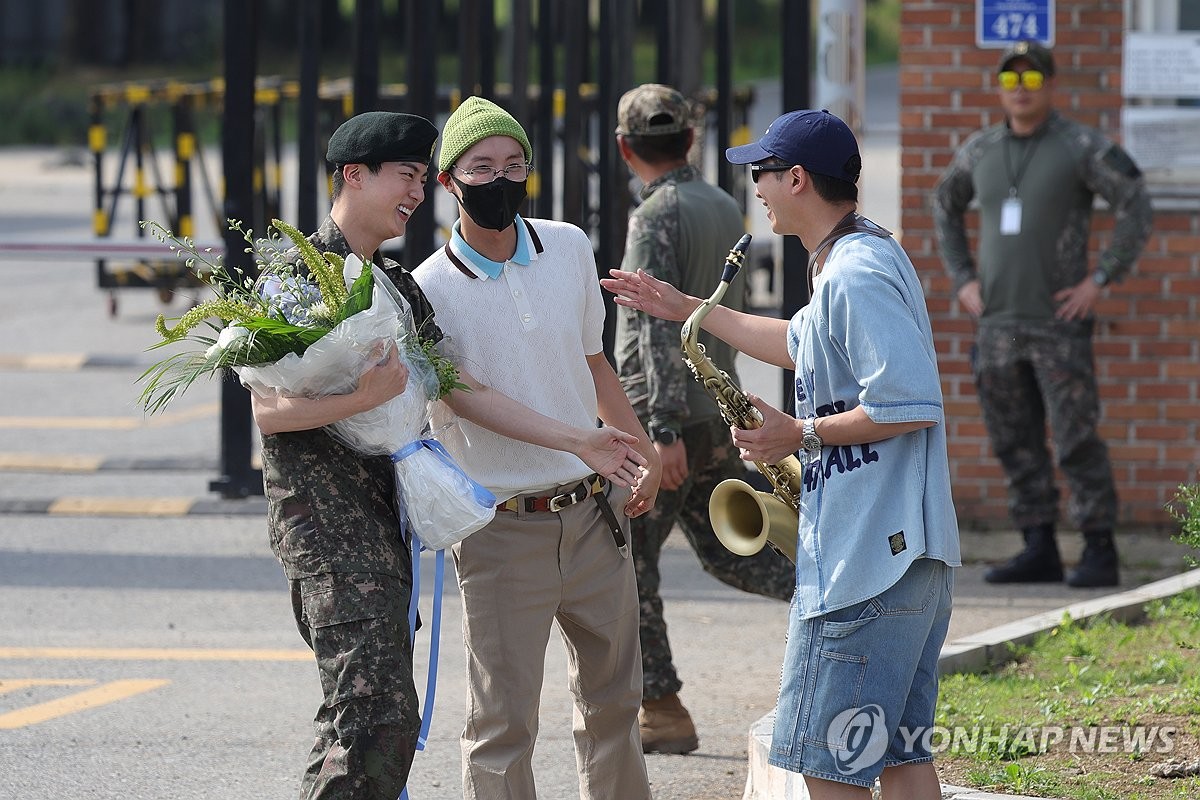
<point x="492" y="205"/>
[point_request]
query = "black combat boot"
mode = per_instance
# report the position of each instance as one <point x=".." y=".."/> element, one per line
<point x="1037" y="563"/>
<point x="1098" y="565"/>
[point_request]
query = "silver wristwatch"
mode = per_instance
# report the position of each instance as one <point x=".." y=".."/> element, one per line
<point x="809" y="440"/>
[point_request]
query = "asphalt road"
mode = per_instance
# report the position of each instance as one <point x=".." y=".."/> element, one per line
<point x="146" y="656"/>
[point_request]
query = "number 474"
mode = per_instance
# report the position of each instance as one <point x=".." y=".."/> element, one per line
<point x="1016" y="26"/>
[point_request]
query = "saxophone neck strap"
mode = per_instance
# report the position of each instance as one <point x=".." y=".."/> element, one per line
<point x="851" y="223"/>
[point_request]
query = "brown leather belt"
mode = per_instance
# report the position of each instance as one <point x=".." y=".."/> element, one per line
<point x="555" y="503"/>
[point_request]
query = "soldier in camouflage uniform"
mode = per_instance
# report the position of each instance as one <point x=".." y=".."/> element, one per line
<point x="333" y="520"/>
<point x="680" y="233"/>
<point x="1035" y="176"/>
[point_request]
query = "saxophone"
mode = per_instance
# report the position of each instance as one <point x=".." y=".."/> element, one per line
<point x="743" y="518"/>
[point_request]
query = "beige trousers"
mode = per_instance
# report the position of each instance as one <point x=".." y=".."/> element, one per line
<point x="518" y="575"/>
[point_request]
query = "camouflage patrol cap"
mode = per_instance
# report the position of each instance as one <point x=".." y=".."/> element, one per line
<point x="377" y="136"/>
<point x="1031" y="51"/>
<point x="653" y="109"/>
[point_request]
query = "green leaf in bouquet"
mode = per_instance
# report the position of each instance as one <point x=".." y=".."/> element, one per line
<point x="266" y="341"/>
<point x="167" y="379"/>
<point x="361" y="292"/>
<point x="173" y="375"/>
<point x="444" y="369"/>
<point x="272" y="339"/>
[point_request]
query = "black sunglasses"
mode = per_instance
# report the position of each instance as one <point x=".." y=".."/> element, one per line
<point x="759" y="169"/>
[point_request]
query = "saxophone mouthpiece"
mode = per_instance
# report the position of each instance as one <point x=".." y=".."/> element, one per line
<point x="735" y="259"/>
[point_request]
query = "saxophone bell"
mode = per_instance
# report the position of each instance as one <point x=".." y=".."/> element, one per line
<point x="745" y="519"/>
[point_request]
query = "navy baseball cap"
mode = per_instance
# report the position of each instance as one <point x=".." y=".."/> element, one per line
<point x="816" y="140"/>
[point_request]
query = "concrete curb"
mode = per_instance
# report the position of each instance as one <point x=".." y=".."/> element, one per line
<point x="994" y="646"/>
<point x="971" y="653"/>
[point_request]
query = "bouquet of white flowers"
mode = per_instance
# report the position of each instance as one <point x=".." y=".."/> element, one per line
<point x="313" y="335"/>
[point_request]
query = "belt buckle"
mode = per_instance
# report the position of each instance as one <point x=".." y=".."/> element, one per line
<point x="561" y="501"/>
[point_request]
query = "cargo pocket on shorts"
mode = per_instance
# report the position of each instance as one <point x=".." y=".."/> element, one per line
<point x="841" y="665"/>
<point x="358" y="623"/>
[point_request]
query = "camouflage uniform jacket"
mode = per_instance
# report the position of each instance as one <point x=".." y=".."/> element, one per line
<point x="1054" y="174"/>
<point x="330" y="508"/>
<point x="681" y="234"/>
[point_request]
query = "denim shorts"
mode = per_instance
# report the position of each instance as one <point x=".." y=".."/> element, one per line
<point x="859" y="684"/>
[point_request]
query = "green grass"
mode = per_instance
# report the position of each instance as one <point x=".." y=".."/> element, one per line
<point x="1082" y="676"/>
<point x="1186" y="511"/>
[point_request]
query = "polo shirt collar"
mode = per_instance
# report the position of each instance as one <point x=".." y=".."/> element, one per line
<point x="483" y="267"/>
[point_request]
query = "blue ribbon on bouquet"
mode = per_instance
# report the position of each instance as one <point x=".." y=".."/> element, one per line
<point x="482" y="496"/>
<point x="485" y="499"/>
<point x="435" y="635"/>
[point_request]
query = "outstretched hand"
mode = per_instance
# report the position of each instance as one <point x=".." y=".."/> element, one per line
<point x="609" y="452"/>
<point x="644" y="292"/>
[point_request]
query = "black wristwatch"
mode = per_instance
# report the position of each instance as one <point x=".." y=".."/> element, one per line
<point x="1101" y="278"/>
<point x="664" y="436"/>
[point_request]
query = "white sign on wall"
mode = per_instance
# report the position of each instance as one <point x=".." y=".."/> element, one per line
<point x="1162" y="137"/>
<point x="1161" y="65"/>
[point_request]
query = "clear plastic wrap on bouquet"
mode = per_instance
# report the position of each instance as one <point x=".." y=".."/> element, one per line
<point x="443" y="505"/>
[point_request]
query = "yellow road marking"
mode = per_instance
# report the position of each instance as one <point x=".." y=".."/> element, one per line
<point x="37" y="462"/>
<point x="79" y="701"/>
<point x="122" y="506"/>
<point x="111" y="423"/>
<point x="151" y="654"/>
<point x="16" y="684"/>
<point x="72" y="423"/>
<point x="44" y="361"/>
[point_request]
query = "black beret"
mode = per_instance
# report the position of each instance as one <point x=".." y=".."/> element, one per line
<point x="377" y="136"/>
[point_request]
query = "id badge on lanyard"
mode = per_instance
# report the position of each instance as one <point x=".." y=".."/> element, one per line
<point x="1010" y="209"/>
<point x="1010" y="216"/>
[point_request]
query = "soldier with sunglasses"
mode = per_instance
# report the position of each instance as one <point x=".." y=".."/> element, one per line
<point x="1034" y="177"/>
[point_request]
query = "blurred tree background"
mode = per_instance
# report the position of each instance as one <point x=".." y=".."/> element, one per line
<point x="54" y="52"/>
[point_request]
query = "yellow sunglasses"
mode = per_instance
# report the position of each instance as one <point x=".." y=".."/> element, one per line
<point x="1031" y="79"/>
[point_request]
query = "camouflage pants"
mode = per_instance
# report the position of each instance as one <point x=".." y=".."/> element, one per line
<point x="357" y="627"/>
<point x="711" y="459"/>
<point x="1029" y="377"/>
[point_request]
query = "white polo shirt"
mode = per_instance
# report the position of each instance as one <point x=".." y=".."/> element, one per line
<point x="524" y="327"/>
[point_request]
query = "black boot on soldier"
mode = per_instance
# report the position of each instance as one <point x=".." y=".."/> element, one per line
<point x="1037" y="563"/>
<point x="1098" y="565"/>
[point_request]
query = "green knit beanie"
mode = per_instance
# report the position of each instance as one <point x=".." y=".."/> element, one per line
<point x="472" y="122"/>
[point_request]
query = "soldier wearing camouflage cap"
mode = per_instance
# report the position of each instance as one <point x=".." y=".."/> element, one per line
<point x="680" y="232"/>
<point x="1030" y="285"/>
<point x="653" y="109"/>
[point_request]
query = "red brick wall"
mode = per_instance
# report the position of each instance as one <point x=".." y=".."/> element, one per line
<point x="1148" y="339"/>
